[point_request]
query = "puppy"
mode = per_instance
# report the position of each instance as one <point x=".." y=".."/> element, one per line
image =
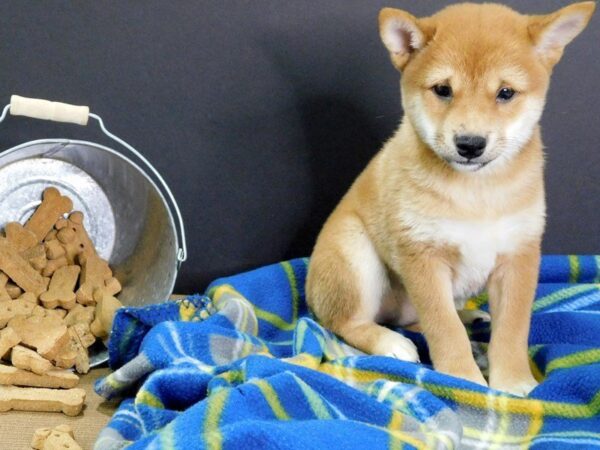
<point x="454" y="202"/>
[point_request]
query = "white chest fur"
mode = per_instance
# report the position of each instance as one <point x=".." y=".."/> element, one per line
<point x="479" y="243"/>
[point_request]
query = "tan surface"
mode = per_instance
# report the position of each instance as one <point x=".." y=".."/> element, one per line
<point x="17" y="428"/>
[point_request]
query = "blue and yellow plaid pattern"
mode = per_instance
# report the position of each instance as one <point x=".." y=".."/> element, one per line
<point x="245" y="367"/>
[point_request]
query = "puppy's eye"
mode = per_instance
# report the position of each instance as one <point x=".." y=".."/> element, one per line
<point x="442" y="91"/>
<point x="505" y="94"/>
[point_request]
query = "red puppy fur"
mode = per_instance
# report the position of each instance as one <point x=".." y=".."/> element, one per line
<point x="454" y="202"/>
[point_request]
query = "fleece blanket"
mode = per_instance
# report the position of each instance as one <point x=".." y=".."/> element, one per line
<point x="246" y="367"/>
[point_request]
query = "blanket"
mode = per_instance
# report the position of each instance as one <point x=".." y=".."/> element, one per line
<point x="245" y="366"/>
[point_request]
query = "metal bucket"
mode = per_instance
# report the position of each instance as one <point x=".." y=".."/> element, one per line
<point x="129" y="210"/>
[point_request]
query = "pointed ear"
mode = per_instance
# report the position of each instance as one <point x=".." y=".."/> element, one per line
<point x="551" y="33"/>
<point x="402" y="34"/>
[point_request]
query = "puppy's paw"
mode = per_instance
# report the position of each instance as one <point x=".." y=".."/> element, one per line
<point x="468" y="316"/>
<point x="397" y="346"/>
<point x="519" y="387"/>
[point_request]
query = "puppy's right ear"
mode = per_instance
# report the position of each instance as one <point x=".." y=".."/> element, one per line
<point x="402" y="34"/>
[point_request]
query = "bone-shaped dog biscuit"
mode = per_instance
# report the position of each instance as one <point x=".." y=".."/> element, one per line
<point x="69" y="402"/>
<point x="112" y="286"/>
<point x="59" y="438"/>
<point x="36" y="256"/>
<point x="51" y="236"/>
<point x="80" y="314"/>
<point x="94" y="272"/>
<point x="83" y="332"/>
<point x="19" y="270"/>
<point x="106" y="308"/>
<point x="82" y="359"/>
<point x="74" y="236"/>
<point x="13" y="290"/>
<point x="48" y="334"/>
<point x="58" y="313"/>
<point x="54" y="249"/>
<point x="26" y="359"/>
<point x="53" y="206"/>
<point x="53" y="265"/>
<point x="68" y="356"/>
<point x="8" y="339"/>
<point x="14" y="308"/>
<point x="4" y="295"/>
<point x="68" y="239"/>
<point x="28" y="297"/>
<point x="62" y="288"/>
<point x="55" y="379"/>
<point x="20" y="237"/>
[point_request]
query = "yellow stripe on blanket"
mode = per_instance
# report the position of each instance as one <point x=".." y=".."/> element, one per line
<point x="271" y="398"/>
<point x="211" y="430"/>
<point x="574" y="268"/>
<point x="574" y="360"/>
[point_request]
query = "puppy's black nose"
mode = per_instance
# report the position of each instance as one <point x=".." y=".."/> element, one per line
<point x="470" y="146"/>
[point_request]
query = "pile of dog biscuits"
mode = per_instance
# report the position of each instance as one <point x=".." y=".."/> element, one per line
<point x="56" y="299"/>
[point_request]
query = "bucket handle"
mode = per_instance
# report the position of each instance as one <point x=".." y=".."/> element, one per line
<point x="63" y="112"/>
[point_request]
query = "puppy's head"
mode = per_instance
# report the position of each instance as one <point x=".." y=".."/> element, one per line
<point x="475" y="76"/>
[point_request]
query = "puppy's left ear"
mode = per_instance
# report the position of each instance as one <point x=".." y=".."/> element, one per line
<point x="402" y="34"/>
<point x="552" y="32"/>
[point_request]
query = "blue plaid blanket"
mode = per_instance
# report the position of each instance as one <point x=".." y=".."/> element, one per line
<point x="246" y="367"/>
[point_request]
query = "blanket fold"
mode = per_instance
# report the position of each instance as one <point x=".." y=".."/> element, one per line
<point x="246" y="367"/>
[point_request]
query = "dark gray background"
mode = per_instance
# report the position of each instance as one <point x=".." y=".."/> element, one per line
<point x="260" y="113"/>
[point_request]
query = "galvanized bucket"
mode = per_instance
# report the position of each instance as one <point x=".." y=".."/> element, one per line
<point x="130" y="212"/>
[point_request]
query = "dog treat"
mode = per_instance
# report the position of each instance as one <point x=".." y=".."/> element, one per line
<point x="83" y="332"/>
<point x="28" y="297"/>
<point x="21" y="238"/>
<point x="8" y="339"/>
<point x="53" y="265"/>
<point x="4" y="295"/>
<point x="59" y="438"/>
<point x="94" y="271"/>
<point x="36" y="256"/>
<point x="26" y="359"/>
<point x="52" y="208"/>
<point x="106" y="307"/>
<point x="68" y="355"/>
<point x="72" y="233"/>
<point x="80" y="314"/>
<point x="69" y="402"/>
<point x="51" y="236"/>
<point x="54" y="249"/>
<point x="62" y="288"/>
<point x="13" y="308"/>
<point x="19" y="270"/>
<point x="13" y="290"/>
<point x="58" y="313"/>
<point x="48" y="334"/>
<point x="39" y="311"/>
<point x="82" y="359"/>
<point x="112" y="286"/>
<point x="82" y="338"/>
<point x="55" y="379"/>
<point x="68" y="239"/>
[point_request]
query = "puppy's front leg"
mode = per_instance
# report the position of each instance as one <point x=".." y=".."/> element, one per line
<point x="511" y="290"/>
<point x="428" y="281"/>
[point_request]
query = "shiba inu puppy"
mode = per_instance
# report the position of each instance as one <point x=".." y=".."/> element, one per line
<point x="454" y="202"/>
